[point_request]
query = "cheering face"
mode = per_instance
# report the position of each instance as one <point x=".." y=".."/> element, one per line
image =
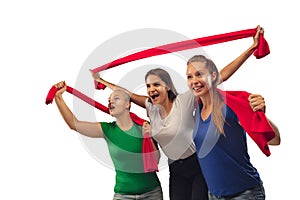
<point x="199" y="79"/>
<point x="118" y="104"/>
<point x="156" y="89"/>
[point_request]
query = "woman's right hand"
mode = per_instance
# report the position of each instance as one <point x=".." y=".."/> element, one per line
<point x="61" y="87"/>
<point x="147" y="129"/>
<point x="259" y="30"/>
<point x="95" y="76"/>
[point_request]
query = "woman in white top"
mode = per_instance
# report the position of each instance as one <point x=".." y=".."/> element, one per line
<point x="172" y="121"/>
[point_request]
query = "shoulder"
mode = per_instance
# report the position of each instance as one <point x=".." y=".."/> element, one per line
<point x="109" y="124"/>
<point x="149" y="106"/>
<point x="186" y="96"/>
<point x="187" y="99"/>
<point x="108" y="127"/>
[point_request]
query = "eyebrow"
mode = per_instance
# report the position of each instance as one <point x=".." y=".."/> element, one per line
<point x="155" y="82"/>
<point x="116" y="96"/>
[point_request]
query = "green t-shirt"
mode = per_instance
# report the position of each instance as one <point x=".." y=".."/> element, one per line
<point x="125" y="149"/>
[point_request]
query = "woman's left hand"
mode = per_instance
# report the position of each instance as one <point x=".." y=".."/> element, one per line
<point x="257" y="102"/>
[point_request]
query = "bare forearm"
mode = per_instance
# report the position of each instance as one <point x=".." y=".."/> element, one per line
<point x="110" y="85"/>
<point x="135" y="98"/>
<point x="66" y="113"/>
<point x="232" y="67"/>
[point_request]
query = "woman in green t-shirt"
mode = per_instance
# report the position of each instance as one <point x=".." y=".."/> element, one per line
<point x="124" y="140"/>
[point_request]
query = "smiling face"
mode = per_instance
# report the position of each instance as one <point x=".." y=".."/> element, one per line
<point x="199" y="78"/>
<point x="157" y="89"/>
<point x="118" y="103"/>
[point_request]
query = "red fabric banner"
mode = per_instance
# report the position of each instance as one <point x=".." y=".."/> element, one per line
<point x="255" y="124"/>
<point x="149" y="162"/>
<point x="149" y="159"/>
<point x="261" y="51"/>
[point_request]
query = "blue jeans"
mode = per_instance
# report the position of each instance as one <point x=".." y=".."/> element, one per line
<point x="155" y="194"/>
<point x="256" y="193"/>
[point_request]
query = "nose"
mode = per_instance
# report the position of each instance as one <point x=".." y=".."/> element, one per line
<point x="151" y="88"/>
<point x="110" y="101"/>
<point x="193" y="80"/>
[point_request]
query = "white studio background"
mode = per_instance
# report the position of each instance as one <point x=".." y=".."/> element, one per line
<point x="44" y="42"/>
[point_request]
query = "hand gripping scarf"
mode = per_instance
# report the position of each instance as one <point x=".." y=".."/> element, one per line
<point x="150" y="163"/>
<point x="149" y="159"/>
<point x="255" y="124"/>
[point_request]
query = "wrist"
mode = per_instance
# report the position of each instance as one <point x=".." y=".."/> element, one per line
<point x="58" y="96"/>
<point x="100" y="80"/>
<point x="264" y="109"/>
<point x="254" y="46"/>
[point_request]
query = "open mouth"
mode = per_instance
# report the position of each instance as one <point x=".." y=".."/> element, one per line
<point x="197" y="88"/>
<point x="154" y="96"/>
<point x="111" y="107"/>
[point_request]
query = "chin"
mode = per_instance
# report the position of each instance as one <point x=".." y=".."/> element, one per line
<point x="155" y="103"/>
<point x="196" y="94"/>
<point x="111" y="114"/>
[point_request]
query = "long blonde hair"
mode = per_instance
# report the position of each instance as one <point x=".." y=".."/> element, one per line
<point x="217" y="114"/>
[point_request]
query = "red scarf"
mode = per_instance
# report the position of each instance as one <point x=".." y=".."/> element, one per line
<point x="255" y="124"/>
<point x="261" y="51"/>
<point x="149" y="158"/>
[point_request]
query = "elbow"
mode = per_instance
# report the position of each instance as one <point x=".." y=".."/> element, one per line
<point x="277" y="138"/>
<point x="278" y="141"/>
<point x="275" y="141"/>
<point x="73" y="128"/>
<point x="72" y="124"/>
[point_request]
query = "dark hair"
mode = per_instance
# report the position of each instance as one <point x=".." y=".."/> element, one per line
<point x="165" y="77"/>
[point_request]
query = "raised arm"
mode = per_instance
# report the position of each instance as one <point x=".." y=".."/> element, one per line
<point x="232" y="67"/>
<point x="90" y="129"/>
<point x="135" y="98"/>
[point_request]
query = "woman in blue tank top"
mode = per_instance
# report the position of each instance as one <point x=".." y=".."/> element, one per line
<point x="220" y="139"/>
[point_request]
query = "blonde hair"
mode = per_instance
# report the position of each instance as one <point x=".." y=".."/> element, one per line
<point x="217" y="114"/>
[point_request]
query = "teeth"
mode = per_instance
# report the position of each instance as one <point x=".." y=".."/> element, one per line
<point x="197" y="88"/>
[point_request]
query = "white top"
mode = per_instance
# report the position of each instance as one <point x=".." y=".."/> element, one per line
<point x="175" y="133"/>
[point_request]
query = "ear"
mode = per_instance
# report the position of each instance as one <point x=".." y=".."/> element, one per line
<point x="213" y="76"/>
<point x="128" y="105"/>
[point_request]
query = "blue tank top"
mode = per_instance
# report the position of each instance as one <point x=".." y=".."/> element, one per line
<point x="224" y="160"/>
